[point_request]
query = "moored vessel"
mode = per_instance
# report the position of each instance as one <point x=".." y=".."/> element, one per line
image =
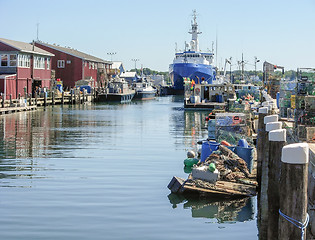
<point x="117" y="91"/>
<point x="192" y="63"/>
<point x="144" y="89"/>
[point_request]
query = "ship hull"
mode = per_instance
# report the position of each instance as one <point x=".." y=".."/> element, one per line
<point x="144" y="95"/>
<point x="115" y="97"/>
<point x="190" y="70"/>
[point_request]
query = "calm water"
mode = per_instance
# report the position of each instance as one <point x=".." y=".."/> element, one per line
<point x="101" y="172"/>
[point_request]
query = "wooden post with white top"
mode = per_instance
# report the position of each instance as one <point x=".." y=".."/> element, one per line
<point x="277" y="140"/>
<point x="293" y="217"/>
<point x="271" y="123"/>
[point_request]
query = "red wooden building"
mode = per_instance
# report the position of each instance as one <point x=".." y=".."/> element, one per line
<point x="71" y="65"/>
<point x="23" y="66"/>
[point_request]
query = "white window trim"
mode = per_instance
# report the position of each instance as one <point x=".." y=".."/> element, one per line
<point x="8" y="60"/>
<point x="48" y="63"/>
<point x="61" y="64"/>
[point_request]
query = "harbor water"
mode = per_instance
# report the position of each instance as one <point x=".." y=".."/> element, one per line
<point x="100" y="171"/>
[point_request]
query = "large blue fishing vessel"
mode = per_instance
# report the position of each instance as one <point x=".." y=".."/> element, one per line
<point x="192" y="63"/>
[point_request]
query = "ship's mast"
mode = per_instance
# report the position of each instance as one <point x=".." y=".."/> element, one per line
<point x="194" y="44"/>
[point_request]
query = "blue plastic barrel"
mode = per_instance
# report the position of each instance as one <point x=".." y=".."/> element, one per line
<point x="278" y="99"/>
<point x="207" y="148"/>
<point x="232" y="148"/>
<point x="220" y="98"/>
<point x="243" y="143"/>
<point x="247" y="154"/>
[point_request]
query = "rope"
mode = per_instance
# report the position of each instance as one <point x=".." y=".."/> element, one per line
<point x="297" y="223"/>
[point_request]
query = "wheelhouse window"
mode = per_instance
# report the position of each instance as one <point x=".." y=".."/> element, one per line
<point x="61" y="64"/>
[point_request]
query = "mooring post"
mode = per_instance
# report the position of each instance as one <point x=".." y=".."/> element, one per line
<point x="277" y="140"/>
<point x="45" y="99"/>
<point x="263" y="203"/>
<point x="293" y="218"/>
<point x="36" y="98"/>
<point x="62" y="97"/>
<point x="3" y="98"/>
<point x="53" y="97"/>
<point x="262" y="112"/>
<point x="71" y="96"/>
<point x="30" y="99"/>
<point x="10" y="100"/>
<point x="83" y="95"/>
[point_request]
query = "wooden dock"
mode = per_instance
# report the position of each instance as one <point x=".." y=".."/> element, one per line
<point x="220" y="189"/>
<point x="9" y="110"/>
<point x="29" y="104"/>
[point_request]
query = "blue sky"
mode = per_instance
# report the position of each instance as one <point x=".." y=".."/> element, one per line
<point x="279" y="31"/>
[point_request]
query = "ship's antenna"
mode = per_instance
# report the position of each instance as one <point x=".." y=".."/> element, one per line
<point x="175" y="47"/>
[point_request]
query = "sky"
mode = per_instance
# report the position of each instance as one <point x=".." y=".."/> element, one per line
<point x="281" y="32"/>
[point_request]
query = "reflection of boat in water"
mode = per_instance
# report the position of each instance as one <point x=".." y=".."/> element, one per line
<point x="144" y="89"/>
<point x="117" y="91"/>
<point x="236" y="210"/>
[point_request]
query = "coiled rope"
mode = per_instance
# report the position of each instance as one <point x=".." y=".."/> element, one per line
<point x="297" y="223"/>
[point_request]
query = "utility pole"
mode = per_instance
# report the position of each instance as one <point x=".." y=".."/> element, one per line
<point x="37" y="31"/>
<point x="256" y="61"/>
<point x="135" y="60"/>
<point x="111" y="55"/>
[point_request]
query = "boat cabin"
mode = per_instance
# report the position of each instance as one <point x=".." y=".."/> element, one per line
<point x="214" y="92"/>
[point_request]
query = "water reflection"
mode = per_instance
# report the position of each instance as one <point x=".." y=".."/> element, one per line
<point x="236" y="210"/>
<point x="192" y="125"/>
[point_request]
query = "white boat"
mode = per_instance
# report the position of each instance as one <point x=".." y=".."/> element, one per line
<point x="144" y="89"/>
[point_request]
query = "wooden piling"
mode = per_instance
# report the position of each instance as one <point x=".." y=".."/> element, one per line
<point x="62" y="97"/>
<point x="45" y="99"/>
<point x="36" y="98"/>
<point x="3" y="99"/>
<point x="53" y="98"/>
<point x="277" y="140"/>
<point x="293" y="191"/>
<point x="10" y="100"/>
<point x="83" y="96"/>
<point x="263" y="201"/>
<point x="260" y="140"/>
<point x="30" y="99"/>
<point x="71" y="96"/>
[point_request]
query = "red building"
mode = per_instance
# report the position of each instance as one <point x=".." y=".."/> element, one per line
<point x="23" y="66"/>
<point x="71" y="65"/>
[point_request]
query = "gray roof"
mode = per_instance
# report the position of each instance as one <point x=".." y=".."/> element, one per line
<point x="74" y="52"/>
<point x="25" y="47"/>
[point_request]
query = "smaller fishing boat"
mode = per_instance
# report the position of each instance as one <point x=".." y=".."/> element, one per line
<point x="117" y="90"/>
<point x="144" y="89"/>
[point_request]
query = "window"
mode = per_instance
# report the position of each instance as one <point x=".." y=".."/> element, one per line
<point x="61" y="64"/>
<point x="24" y="60"/>
<point x="39" y="62"/>
<point x="48" y="63"/>
<point x="68" y="61"/>
<point x="12" y="60"/>
<point x="4" y="60"/>
<point x="8" y="60"/>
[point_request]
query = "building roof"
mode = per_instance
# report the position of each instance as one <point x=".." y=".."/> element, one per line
<point x="116" y="65"/>
<point x="73" y="52"/>
<point x="128" y="74"/>
<point x="25" y="47"/>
